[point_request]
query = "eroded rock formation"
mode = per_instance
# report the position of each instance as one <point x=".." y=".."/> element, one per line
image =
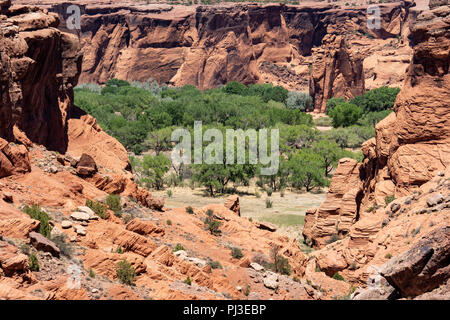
<point x="404" y="176"/>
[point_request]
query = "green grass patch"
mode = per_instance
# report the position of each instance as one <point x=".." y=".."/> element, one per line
<point x="284" y="220"/>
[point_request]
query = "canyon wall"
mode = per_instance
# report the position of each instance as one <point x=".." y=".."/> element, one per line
<point x="320" y="49"/>
<point x="36" y="84"/>
<point x="401" y="190"/>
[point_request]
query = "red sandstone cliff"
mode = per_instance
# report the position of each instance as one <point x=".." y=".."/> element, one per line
<point x="323" y="49"/>
<point x="408" y="161"/>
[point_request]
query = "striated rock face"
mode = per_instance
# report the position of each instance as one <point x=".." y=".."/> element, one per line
<point x="208" y="46"/>
<point x="423" y="267"/>
<point x="409" y="161"/>
<point x="339" y="210"/>
<point x="13" y="159"/>
<point x="36" y="85"/>
<point x="335" y="72"/>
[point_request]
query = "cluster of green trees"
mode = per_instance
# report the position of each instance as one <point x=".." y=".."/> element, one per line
<point x="142" y="116"/>
<point x="365" y="110"/>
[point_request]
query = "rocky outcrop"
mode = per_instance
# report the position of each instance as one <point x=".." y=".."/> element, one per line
<point x="36" y="85"/>
<point x="335" y="72"/>
<point x="14" y="159"/>
<point x="339" y="210"/>
<point x="36" y="94"/>
<point x="403" y="176"/>
<point x="422" y="268"/>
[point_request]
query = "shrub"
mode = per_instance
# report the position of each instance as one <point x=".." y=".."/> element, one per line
<point x="269" y="192"/>
<point x="113" y="202"/>
<point x="127" y="218"/>
<point x="169" y="222"/>
<point x="211" y="224"/>
<point x="337" y="276"/>
<point x="188" y="281"/>
<point x="236" y="253"/>
<point x="25" y="249"/>
<point x="215" y="265"/>
<point x="388" y="256"/>
<point x="345" y="114"/>
<point x="269" y="203"/>
<point x="333" y="238"/>
<point x="247" y="290"/>
<point x="64" y="246"/>
<point x="126" y="273"/>
<point x="98" y="208"/>
<point x="299" y="100"/>
<point x="91" y="273"/>
<point x="389" y="199"/>
<point x="280" y="264"/>
<point x="257" y="194"/>
<point x="119" y="250"/>
<point x="178" y="247"/>
<point x="33" y="263"/>
<point x="169" y="193"/>
<point x="189" y="210"/>
<point x="36" y="213"/>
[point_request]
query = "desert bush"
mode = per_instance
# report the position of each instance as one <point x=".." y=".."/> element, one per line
<point x="169" y="222"/>
<point x="33" y="263"/>
<point x="64" y="246"/>
<point x="189" y="210"/>
<point x="211" y="224"/>
<point x="269" y="204"/>
<point x="323" y="122"/>
<point x="299" y="100"/>
<point x="25" y="249"/>
<point x="113" y="202"/>
<point x="169" y="193"/>
<point x="337" y="276"/>
<point x="126" y="273"/>
<point x="236" y="253"/>
<point x="178" y="247"/>
<point x="334" y="237"/>
<point x="280" y="264"/>
<point x="389" y="199"/>
<point x="247" y="290"/>
<point x="36" y="213"/>
<point x="119" y="250"/>
<point x="215" y="264"/>
<point x="127" y="218"/>
<point x="188" y="281"/>
<point x="91" y="273"/>
<point x="99" y="208"/>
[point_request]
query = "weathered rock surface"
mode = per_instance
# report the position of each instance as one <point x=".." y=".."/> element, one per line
<point x="339" y="210"/>
<point x="208" y="46"/>
<point x="406" y="163"/>
<point x="11" y="260"/>
<point x="422" y="268"/>
<point x="232" y="203"/>
<point x="42" y="243"/>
